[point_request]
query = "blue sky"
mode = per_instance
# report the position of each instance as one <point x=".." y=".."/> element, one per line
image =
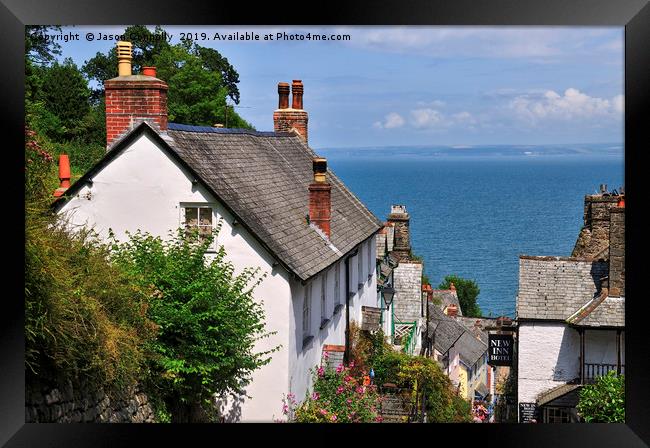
<point x="457" y="86"/>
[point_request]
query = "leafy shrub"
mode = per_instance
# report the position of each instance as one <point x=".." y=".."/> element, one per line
<point x="84" y="318"/>
<point x="209" y="321"/>
<point x="603" y="402"/>
<point x="338" y="397"/>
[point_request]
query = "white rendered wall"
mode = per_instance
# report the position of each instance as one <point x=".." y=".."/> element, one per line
<point x="548" y="357"/>
<point x="303" y="358"/>
<point x="142" y="189"/>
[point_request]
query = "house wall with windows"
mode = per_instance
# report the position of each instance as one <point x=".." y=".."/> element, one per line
<point x="144" y="188"/>
<point x="305" y="349"/>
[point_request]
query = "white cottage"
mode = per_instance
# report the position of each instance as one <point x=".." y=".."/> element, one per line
<point x="571" y="315"/>
<point x="281" y="209"/>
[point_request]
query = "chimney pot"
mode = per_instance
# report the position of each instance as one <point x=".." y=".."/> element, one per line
<point x="64" y="175"/>
<point x="149" y="71"/>
<point x="124" y="57"/>
<point x="283" y="94"/>
<point x="297" y="90"/>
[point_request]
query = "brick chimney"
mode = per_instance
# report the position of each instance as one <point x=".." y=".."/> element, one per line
<point x="320" y="197"/>
<point x="451" y="310"/>
<point x="131" y="99"/>
<point x="400" y="219"/>
<point x="287" y="119"/>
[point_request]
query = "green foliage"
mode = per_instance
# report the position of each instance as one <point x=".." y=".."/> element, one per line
<point x="38" y="49"/>
<point x="467" y="291"/>
<point x="338" y="397"/>
<point x="83" y="316"/>
<point x="208" y="320"/>
<point x="200" y="79"/>
<point x="604" y="401"/>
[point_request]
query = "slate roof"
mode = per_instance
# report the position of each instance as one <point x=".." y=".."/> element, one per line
<point x="566" y="289"/>
<point x="470" y="348"/>
<point x="443" y="329"/>
<point x="476" y="326"/>
<point x="263" y="178"/>
<point x="447" y="297"/>
<point x="556" y="392"/>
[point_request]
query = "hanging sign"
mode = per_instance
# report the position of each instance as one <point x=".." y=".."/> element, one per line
<point x="500" y="349"/>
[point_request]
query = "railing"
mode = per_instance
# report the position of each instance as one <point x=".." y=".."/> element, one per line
<point x="409" y="344"/>
<point x="593" y="371"/>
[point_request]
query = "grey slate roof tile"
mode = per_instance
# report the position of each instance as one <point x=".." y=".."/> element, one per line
<point x="264" y="179"/>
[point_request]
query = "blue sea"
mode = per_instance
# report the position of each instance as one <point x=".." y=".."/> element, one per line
<point x="474" y="212"/>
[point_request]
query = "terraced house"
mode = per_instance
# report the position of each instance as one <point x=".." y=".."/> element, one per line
<point x="280" y="207"/>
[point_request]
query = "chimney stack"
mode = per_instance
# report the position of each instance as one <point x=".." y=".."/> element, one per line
<point x="64" y="175"/>
<point x="400" y="219"/>
<point x="451" y="310"/>
<point x="617" y="251"/>
<point x="320" y="197"/>
<point x="131" y="99"/>
<point x="292" y="119"/>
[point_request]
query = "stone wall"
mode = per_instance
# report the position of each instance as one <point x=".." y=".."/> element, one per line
<point x="617" y="252"/>
<point x="407" y="303"/>
<point x="593" y="239"/>
<point x="65" y="402"/>
<point x="400" y="220"/>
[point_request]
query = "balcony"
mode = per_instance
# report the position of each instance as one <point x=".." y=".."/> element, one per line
<point x="593" y="371"/>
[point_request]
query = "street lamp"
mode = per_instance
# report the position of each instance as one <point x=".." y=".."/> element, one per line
<point x="388" y="293"/>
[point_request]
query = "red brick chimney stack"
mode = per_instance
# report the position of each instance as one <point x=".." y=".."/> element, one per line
<point x="320" y="197"/>
<point x="131" y="99"/>
<point x="64" y="175"/>
<point x="292" y="119"/>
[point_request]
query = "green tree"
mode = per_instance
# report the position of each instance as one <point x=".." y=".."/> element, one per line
<point x="65" y="95"/>
<point x="467" y="291"/>
<point x="604" y="401"/>
<point x="205" y="78"/>
<point x="209" y="322"/>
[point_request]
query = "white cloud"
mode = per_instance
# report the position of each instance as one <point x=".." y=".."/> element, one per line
<point x="427" y="118"/>
<point x="391" y="121"/>
<point x="573" y="105"/>
<point x="542" y="43"/>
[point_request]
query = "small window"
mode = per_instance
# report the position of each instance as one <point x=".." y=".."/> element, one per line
<point x="306" y="312"/>
<point x="198" y="219"/>
<point x="337" y="285"/>
<point x="323" y="300"/>
<point x="360" y="279"/>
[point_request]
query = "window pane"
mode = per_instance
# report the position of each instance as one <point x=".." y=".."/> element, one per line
<point x="191" y="215"/>
<point x="205" y="216"/>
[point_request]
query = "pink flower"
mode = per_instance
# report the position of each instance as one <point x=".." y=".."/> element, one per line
<point x="349" y="400"/>
<point x="323" y="412"/>
<point x="315" y="396"/>
<point x="326" y="355"/>
<point x="285" y="409"/>
<point x="348" y="379"/>
<point x="321" y="372"/>
<point x="360" y="389"/>
<point x="333" y="417"/>
<point x="351" y="364"/>
<point x="339" y="389"/>
<point x="339" y="369"/>
<point x="378" y="419"/>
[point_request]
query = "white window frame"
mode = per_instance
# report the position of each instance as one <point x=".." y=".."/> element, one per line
<point x="306" y="313"/>
<point x="337" y="285"/>
<point x="211" y="206"/>
<point x="323" y="300"/>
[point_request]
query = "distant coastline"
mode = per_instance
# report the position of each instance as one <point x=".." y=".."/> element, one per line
<point x="593" y="150"/>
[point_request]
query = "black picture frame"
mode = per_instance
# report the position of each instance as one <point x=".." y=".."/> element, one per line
<point x="634" y="15"/>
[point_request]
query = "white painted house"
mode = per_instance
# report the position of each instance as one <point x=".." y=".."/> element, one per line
<point x="571" y="315"/>
<point x="281" y="210"/>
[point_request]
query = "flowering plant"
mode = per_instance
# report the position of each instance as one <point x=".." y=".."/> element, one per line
<point x="337" y="397"/>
